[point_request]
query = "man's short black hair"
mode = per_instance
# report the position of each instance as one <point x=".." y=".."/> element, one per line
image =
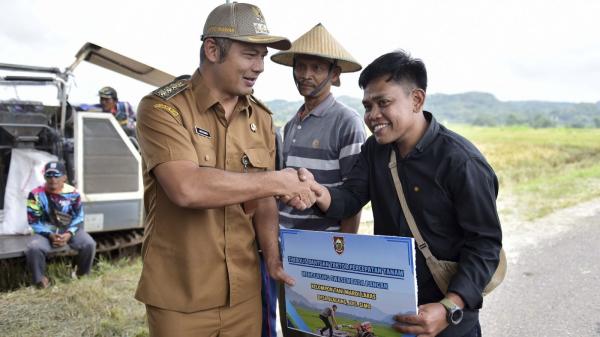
<point x="399" y="66"/>
<point x="222" y="43"/>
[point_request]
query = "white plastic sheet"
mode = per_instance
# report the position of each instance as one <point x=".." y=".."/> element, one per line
<point x="25" y="173"/>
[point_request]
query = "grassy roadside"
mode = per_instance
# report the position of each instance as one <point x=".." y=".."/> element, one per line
<point x="100" y="304"/>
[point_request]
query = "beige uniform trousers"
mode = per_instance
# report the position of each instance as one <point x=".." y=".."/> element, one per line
<point x="241" y="320"/>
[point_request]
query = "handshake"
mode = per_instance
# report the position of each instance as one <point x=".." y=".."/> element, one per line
<point x="301" y="191"/>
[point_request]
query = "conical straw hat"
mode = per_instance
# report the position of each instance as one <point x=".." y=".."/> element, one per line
<point x="318" y="42"/>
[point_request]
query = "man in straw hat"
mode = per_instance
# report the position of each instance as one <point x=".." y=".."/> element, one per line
<point x="325" y="135"/>
<point x="208" y="151"/>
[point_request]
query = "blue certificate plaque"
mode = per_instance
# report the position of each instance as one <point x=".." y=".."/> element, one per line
<point x="368" y="278"/>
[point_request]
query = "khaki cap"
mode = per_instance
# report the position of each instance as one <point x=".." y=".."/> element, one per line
<point x="318" y="42"/>
<point x="241" y="22"/>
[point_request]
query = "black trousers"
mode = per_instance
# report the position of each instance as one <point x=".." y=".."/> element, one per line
<point x="327" y="325"/>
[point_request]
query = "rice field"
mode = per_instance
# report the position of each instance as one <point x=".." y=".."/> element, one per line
<point x="540" y="170"/>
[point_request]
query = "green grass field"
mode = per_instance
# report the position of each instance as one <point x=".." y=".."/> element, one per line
<point x="98" y="305"/>
<point x="540" y="171"/>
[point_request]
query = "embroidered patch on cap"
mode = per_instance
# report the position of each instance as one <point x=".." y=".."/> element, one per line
<point x="260" y="28"/>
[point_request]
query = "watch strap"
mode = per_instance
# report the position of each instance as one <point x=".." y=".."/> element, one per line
<point x="454" y="313"/>
<point x="448" y="304"/>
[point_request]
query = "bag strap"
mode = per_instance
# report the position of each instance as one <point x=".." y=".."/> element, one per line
<point x="423" y="246"/>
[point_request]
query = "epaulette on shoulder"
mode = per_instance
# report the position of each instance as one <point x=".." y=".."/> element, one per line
<point x="260" y="104"/>
<point x="168" y="91"/>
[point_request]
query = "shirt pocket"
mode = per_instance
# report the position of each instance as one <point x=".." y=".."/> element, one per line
<point x="254" y="160"/>
<point x="207" y="156"/>
<point x="258" y="160"/>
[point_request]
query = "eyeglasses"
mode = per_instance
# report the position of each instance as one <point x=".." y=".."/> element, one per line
<point x="53" y="175"/>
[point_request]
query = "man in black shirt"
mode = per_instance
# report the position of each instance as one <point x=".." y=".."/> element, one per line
<point x="449" y="186"/>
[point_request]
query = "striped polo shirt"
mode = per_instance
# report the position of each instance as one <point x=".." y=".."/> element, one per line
<point x="327" y="143"/>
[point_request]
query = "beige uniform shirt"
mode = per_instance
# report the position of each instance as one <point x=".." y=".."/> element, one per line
<point x="197" y="259"/>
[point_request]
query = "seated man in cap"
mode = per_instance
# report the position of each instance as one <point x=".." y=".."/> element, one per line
<point x="325" y="135"/>
<point x="55" y="214"/>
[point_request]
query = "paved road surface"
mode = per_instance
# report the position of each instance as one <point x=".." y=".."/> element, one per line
<point x="553" y="282"/>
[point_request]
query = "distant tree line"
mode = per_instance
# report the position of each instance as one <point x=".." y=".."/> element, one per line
<point x="483" y="109"/>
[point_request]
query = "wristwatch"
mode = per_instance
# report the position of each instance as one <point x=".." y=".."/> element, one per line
<point x="454" y="314"/>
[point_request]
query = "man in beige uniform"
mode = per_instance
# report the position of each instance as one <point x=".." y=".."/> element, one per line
<point x="205" y="141"/>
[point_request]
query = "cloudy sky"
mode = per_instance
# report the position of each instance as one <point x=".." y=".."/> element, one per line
<point x="515" y="49"/>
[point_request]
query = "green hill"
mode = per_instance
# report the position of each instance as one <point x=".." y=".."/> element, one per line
<point x="482" y="109"/>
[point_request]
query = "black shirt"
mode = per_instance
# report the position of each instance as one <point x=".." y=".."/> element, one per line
<point x="451" y="191"/>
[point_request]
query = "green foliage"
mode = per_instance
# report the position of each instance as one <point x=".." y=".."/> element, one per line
<point x="481" y="109"/>
<point x="541" y="121"/>
<point x="283" y="110"/>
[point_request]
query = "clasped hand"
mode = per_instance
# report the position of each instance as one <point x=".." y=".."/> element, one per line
<point x="59" y="240"/>
<point x="301" y="188"/>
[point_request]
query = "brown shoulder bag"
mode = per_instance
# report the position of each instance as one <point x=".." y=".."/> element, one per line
<point x="441" y="270"/>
